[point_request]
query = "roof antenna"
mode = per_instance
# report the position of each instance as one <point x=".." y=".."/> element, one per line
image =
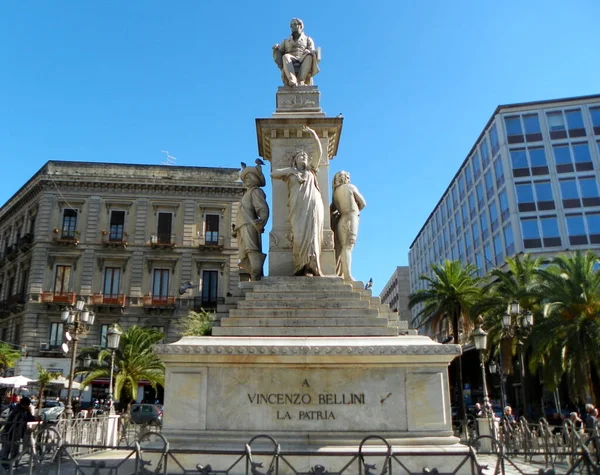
<point x="170" y="160"/>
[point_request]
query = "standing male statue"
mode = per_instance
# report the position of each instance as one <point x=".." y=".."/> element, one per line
<point x="346" y="205"/>
<point x="296" y="57"/>
<point x="251" y="220"/>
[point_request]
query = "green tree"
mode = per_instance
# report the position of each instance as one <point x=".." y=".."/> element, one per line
<point x="196" y="324"/>
<point x="565" y="342"/>
<point x="8" y="357"/>
<point x="452" y="290"/>
<point x="43" y="379"/>
<point x="517" y="281"/>
<point x="134" y="362"/>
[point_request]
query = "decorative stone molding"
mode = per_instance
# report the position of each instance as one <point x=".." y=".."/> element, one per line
<point x="309" y="350"/>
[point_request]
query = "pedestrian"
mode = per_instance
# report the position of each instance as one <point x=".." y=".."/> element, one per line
<point x="15" y="428"/>
<point x="508" y="416"/>
<point x="576" y="420"/>
<point x="590" y="419"/>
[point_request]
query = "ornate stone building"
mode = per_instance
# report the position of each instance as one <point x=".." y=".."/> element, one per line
<point x="125" y="238"/>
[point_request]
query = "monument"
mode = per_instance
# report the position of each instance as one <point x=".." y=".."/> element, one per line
<point x="306" y="354"/>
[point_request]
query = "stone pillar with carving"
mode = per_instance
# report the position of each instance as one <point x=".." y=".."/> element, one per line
<point x="278" y="137"/>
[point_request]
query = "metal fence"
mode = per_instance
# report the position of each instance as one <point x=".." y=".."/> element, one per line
<point x="70" y="448"/>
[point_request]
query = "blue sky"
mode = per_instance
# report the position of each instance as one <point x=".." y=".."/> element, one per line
<point x="119" y="81"/>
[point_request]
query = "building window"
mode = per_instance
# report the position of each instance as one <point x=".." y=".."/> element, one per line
<point x="550" y="233"/>
<point x="210" y="283"/>
<point x="556" y="125"/>
<point x="489" y="184"/>
<point x="574" y="157"/>
<point x="576" y="190"/>
<point x="480" y="195"/>
<point x="62" y="279"/>
<point x="576" y="229"/>
<point x="595" y="113"/>
<point x="593" y="223"/>
<point x="112" y="278"/>
<point x="529" y="161"/>
<point x="211" y="229"/>
<point x="17" y="334"/>
<point x="498" y="248"/>
<point x="472" y="205"/>
<point x="160" y="284"/>
<point x="468" y="176"/>
<point x="499" y="171"/>
<point x="117" y="226"/>
<point x="164" y="228"/>
<point x="575" y="123"/>
<point x="69" y="224"/>
<point x="477" y="164"/>
<point x="485" y="232"/>
<point x="504" y="210"/>
<point x="543" y="194"/>
<point x="509" y="240"/>
<point x="56" y="335"/>
<point x="494" y="216"/>
<point x="104" y="335"/>
<point x="514" y="132"/>
<point x="476" y="236"/>
<point x="533" y="132"/>
<point x="485" y="153"/>
<point x="530" y="233"/>
<point x="479" y="263"/>
<point x="487" y="254"/>
<point x="494" y="140"/>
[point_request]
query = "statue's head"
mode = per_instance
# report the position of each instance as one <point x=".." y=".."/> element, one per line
<point x="252" y="176"/>
<point x="341" y="178"/>
<point x="300" y="160"/>
<point x="297" y="26"/>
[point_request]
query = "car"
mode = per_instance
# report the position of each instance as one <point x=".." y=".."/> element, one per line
<point x="52" y="410"/>
<point x="146" y="414"/>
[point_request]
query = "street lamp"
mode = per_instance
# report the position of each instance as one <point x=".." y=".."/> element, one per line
<point x="79" y="321"/>
<point x="112" y="342"/>
<point x="480" y="341"/>
<point x="517" y="323"/>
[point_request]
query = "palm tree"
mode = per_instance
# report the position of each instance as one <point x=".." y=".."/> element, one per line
<point x="452" y="289"/>
<point x="566" y="341"/>
<point x="134" y="362"/>
<point x="519" y="282"/>
<point x="8" y="357"/>
<point x="196" y="324"/>
<point x="43" y="379"/>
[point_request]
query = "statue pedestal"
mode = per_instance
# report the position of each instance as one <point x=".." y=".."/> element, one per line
<point x="315" y="363"/>
<point x="278" y="137"/>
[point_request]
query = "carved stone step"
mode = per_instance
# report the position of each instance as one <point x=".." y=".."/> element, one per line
<point x="299" y="313"/>
<point x="305" y="331"/>
<point x="304" y="288"/>
<point x="304" y="322"/>
<point x="300" y="304"/>
<point x="312" y="296"/>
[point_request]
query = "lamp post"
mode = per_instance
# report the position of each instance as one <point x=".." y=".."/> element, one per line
<point x="113" y="336"/>
<point x="517" y="323"/>
<point x="480" y="341"/>
<point x="78" y="321"/>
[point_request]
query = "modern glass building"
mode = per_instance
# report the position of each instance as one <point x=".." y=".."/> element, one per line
<point x="529" y="184"/>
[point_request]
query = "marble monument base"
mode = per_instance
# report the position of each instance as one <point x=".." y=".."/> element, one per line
<point x="307" y="392"/>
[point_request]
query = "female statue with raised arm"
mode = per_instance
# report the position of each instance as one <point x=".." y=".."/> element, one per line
<point x="305" y="206"/>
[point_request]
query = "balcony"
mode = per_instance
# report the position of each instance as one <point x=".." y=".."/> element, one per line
<point x="152" y="301"/>
<point x="211" y="241"/>
<point x="112" y="239"/>
<point x="66" y="239"/>
<point x="162" y="241"/>
<point x="67" y="298"/>
<point x="12" y="252"/>
<point x="111" y="300"/>
<point x="208" y="303"/>
<point x="25" y="242"/>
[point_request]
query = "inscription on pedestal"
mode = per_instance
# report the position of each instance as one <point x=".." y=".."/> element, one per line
<point x="298" y="99"/>
<point x="300" y="399"/>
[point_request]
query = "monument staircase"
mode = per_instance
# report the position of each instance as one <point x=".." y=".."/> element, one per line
<point x="308" y="306"/>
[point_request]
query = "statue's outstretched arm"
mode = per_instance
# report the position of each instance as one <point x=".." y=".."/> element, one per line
<point x="315" y="159"/>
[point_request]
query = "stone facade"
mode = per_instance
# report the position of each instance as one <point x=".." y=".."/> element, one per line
<point x="122" y="237"/>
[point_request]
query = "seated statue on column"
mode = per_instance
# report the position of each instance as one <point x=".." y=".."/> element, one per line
<point x="251" y="220"/>
<point x="297" y="57"/>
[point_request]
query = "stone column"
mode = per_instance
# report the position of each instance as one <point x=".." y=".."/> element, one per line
<point x="277" y="138"/>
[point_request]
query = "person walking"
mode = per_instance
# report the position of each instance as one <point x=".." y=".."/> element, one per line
<point x="15" y="428"/>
